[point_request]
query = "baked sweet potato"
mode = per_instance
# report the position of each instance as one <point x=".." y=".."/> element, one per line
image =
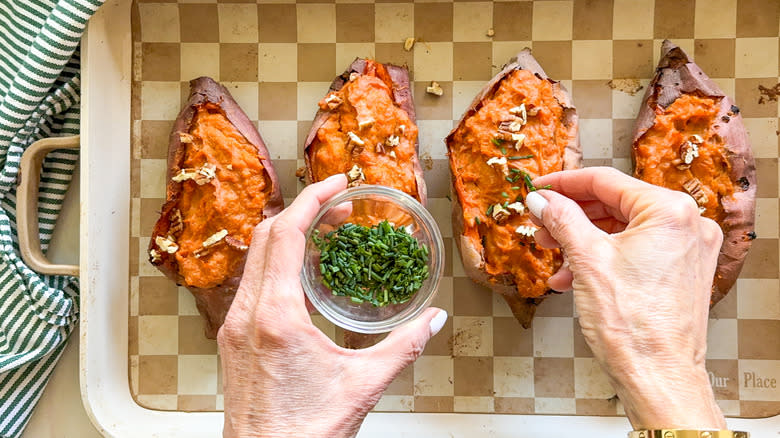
<point x="365" y="128"/>
<point x="689" y="136"/>
<point x="220" y="185"/>
<point x="520" y="126"/>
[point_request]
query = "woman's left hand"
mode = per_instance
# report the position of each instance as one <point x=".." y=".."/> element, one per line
<point x="282" y="375"/>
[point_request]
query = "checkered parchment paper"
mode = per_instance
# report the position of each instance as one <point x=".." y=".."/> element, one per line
<point x="278" y="58"/>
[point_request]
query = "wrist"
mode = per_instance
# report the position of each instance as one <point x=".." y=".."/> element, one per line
<point x="669" y="399"/>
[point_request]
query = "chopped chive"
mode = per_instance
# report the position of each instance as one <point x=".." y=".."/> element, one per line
<point x="503" y="150"/>
<point x="504" y="194"/>
<point x="490" y="210"/>
<point x="515" y="188"/>
<point x="548" y="186"/>
<point x="513" y="170"/>
<point x="510" y="179"/>
<point x="352" y="257"/>
<point x="528" y="183"/>
<point x="521" y="157"/>
<point x="496" y="141"/>
<point x="476" y="219"/>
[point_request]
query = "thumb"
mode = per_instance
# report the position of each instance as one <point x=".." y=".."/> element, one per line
<point x="406" y="343"/>
<point x="564" y="220"/>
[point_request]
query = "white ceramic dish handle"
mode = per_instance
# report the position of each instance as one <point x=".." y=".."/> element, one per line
<point x="27" y="205"/>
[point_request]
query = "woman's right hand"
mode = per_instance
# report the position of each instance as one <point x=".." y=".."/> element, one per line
<point x="641" y="261"/>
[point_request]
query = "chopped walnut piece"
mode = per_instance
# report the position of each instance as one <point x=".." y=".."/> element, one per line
<point x="214" y="238"/>
<point x="515" y="125"/>
<point x="532" y="111"/>
<point x="167" y="244"/>
<point x="434" y="88"/>
<point x="499" y="164"/>
<point x="201" y="175"/>
<point x="354" y="75"/>
<point x="185" y="138"/>
<point x="176" y="222"/>
<point x="519" y="139"/>
<point x="392" y="154"/>
<point x="300" y="173"/>
<point x="365" y="123"/>
<point x="401" y="129"/>
<point x="409" y="43"/>
<point x="210" y="243"/>
<point x="694" y="188"/>
<point x="229" y="167"/>
<point x="500" y="214"/>
<point x="353" y="138"/>
<point x="355" y="176"/>
<point x="496" y="160"/>
<point x="379" y="148"/>
<point x="526" y="231"/>
<point x="491" y="33"/>
<point x="517" y="207"/>
<point x="519" y="111"/>
<point x="393" y="140"/>
<point x="154" y="256"/>
<point x="688" y="151"/>
<point x="236" y="243"/>
<point x="333" y="101"/>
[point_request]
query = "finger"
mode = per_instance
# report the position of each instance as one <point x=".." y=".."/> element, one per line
<point x="565" y="221"/>
<point x="545" y="240"/>
<point x="337" y="215"/>
<point x="286" y="246"/>
<point x="286" y="237"/>
<point x="251" y="280"/>
<point x="561" y="280"/>
<point x="301" y="212"/>
<point x="615" y="189"/>
<point x="610" y="225"/>
<point x="406" y="343"/>
<point x="598" y="210"/>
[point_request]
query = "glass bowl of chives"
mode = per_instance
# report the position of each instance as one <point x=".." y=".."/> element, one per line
<point x="374" y="258"/>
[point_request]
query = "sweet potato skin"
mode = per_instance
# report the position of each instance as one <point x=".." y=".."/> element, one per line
<point x="470" y="249"/>
<point x="402" y="94"/>
<point x="676" y="75"/>
<point x="213" y="303"/>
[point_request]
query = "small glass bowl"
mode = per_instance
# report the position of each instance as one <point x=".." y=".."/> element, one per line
<point x="373" y="204"/>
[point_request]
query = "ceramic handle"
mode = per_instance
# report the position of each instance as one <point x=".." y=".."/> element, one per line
<point x="27" y="205"/>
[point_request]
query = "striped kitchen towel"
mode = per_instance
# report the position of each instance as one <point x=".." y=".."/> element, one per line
<point x="39" y="97"/>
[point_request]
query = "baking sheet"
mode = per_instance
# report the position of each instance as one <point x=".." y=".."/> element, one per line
<point x="278" y="59"/>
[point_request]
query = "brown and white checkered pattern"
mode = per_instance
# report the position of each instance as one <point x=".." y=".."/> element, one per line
<point x="277" y="59"/>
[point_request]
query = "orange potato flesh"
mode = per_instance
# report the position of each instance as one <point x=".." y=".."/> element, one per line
<point x="233" y="201"/>
<point x="479" y="185"/>
<point x="658" y="151"/>
<point x="368" y="97"/>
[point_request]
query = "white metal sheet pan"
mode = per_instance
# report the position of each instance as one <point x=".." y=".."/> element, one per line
<point x="105" y="221"/>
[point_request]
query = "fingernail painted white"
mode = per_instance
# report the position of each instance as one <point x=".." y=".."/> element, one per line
<point x="438" y="322"/>
<point x="536" y="204"/>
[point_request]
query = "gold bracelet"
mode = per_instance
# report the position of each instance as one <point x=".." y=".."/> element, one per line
<point x="684" y="433"/>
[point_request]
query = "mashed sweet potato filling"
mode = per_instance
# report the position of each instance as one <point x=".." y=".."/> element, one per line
<point x="369" y="137"/>
<point x="232" y="200"/>
<point x="486" y="136"/>
<point x="661" y="153"/>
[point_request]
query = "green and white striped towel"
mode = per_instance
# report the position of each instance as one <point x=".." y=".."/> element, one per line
<point x="39" y="97"/>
